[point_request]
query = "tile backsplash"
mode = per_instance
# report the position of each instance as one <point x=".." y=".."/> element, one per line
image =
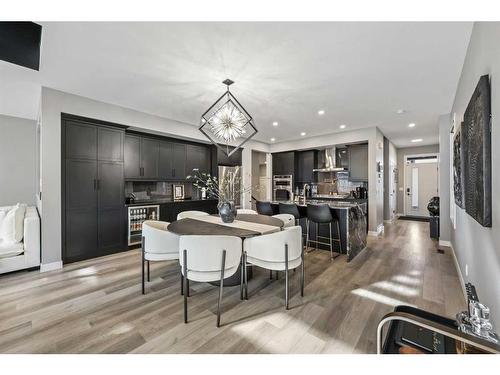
<point x="159" y="188"/>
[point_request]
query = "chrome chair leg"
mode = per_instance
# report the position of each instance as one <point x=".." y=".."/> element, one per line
<point x="286" y="277"/>
<point x="221" y="286"/>
<point x="331" y="242"/>
<point x="149" y="279"/>
<point x="184" y="257"/>
<point x="302" y="276"/>
<point x="142" y="265"/>
<point x="246" y="275"/>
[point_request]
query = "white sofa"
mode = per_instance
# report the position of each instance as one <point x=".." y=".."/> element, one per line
<point x="25" y="254"/>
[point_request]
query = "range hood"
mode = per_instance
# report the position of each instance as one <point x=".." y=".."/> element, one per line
<point x="330" y="162"/>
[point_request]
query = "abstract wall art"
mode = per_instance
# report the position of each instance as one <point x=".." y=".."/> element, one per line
<point x="476" y="154"/>
<point x="457" y="168"/>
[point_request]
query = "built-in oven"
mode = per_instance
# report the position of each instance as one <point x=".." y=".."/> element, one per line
<point x="282" y="187"/>
<point x="137" y="215"/>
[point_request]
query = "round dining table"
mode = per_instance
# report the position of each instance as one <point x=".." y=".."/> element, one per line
<point x="244" y="226"/>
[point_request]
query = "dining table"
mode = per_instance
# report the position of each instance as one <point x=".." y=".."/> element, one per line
<point x="243" y="226"/>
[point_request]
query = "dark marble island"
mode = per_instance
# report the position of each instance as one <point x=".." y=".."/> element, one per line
<point x="352" y="216"/>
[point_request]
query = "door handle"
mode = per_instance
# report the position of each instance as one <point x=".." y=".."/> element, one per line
<point x="95" y="184"/>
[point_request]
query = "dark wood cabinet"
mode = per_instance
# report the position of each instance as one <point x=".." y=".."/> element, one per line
<point x="284" y="163"/>
<point x="179" y="161"/>
<point x="306" y="162"/>
<point x="150" y="156"/>
<point x="93" y="190"/>
<point x="132" y="156"/>
<point x="358" y="162"/>
<point x="197" y="157"/>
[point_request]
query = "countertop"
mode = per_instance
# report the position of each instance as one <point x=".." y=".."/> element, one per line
<point x="339" y="198"/>
<point x="152" y="201"/>
<point x="333" y="204"/>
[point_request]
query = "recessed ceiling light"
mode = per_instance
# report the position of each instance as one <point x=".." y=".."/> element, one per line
<point x="273" y="139"/>
<point x="400" y="111"/>
<point x="417" y="140"/>
<point x="412" y="125"/>
<point x="275" y="123"/>
<point x="321" y="112"/>
<point x="342" y="126"/>
<point x="303" y="133"/>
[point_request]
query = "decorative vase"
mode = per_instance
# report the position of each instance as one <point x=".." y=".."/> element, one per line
<point x="227" y="211"/>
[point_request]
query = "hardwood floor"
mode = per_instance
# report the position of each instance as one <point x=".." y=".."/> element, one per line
<point x="96" y="306"/>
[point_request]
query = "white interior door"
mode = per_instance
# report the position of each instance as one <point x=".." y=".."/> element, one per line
<point x="421" y="184"/>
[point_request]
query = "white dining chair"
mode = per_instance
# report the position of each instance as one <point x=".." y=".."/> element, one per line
<point x="189" y="214"/>
<point x="209" y="259"/>
<point x="158" y="244"/>
<point x="280" y="251"/>
<point x="287" y="219"/>
<point x="246" y="211"/>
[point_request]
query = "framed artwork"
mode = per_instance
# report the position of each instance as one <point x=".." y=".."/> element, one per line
<point x="457" y="168"/>
<point x="178" y="191"/>
<point x="476" y="152"/>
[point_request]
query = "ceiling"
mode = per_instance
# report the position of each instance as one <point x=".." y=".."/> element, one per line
<point x="359" y="73"/>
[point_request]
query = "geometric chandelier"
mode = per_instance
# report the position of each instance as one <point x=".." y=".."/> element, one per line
<point x="227" y="124"/>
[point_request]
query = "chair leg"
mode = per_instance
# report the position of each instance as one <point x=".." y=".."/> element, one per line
<point x="277" y="275"/>
<point x="286" y="276"/>
<point x="331" y="242"/>
<point x="182" y="284"/>
<point x="302" y="275"/>
<point x="184" y="257"/>
<point x="270" y="274"/>
<point x="246" y="274"/>
<point x="187" y="288"/>
<point x="307" y="233"/>
<point x="340" y="239"/>
<point x="149" y="279"/>
<point x="242" y="276"/>
<point x="142" y="265"/>
<point x="317" y="236"/>
<point x="221" y="286"/>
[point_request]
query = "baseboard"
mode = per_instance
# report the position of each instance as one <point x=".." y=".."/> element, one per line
<point x="51" y="266"/>
<point x="457" y="267"/>
<point x="378" y="232"/>
<point x="445" y="243"/>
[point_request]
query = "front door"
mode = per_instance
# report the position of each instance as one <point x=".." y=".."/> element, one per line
<point x="421" y="184"/>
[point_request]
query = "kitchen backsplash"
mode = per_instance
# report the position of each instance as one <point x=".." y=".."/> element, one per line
<point x="152" y="188"/>
<point x="341" y="184"/>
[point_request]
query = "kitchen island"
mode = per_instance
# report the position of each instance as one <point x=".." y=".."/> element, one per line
<point x="352" y="216"/>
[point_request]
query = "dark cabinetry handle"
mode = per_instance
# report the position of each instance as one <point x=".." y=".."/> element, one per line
<point x="95" y="184"/>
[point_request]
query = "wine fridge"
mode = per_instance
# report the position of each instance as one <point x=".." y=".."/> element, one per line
<point x="137" y="215"/>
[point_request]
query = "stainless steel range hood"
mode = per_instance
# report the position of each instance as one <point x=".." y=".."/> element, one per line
<point x="330" y="163"/>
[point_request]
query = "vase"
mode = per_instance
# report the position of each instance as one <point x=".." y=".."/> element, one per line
<point x="227" y="211"/>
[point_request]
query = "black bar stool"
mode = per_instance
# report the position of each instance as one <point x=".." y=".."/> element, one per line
<point x="291" y="209"/>
<point x="321" y="214"/>
<point x="264" y="208"/>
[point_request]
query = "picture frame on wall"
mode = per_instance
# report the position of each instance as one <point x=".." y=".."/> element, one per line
<point x="178" y="191"/>
<point x="476" y="154"/>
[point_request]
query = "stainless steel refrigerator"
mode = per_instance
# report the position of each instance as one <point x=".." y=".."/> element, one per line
<point x="233" y="177"/>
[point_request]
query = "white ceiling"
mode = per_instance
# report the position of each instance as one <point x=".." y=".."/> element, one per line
<point x="359" y="73"/>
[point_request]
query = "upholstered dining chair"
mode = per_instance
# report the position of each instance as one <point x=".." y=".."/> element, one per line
<point x="264" y="208"/>
<point x="287" y="219"/>
<point x="189" y="214"/>
<point x="208" y="259"/>
<point x="246" y="211"/>
<point x="158" y="244"/>
<point x="280" y="251"/>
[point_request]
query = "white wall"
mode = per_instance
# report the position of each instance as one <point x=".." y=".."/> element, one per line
<point x="375" y="141"/>
<point x="390" y="155"/>
<point x="478" y="248"/>
<point x="56" y="102"/>
<point x="444" y="179"/>
<point x="18" y="160"/>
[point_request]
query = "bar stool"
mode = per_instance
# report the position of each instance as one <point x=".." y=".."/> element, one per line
<point x="264" y="208"/>
<point x="291" y="209"/>
<point x="321" y="214"/>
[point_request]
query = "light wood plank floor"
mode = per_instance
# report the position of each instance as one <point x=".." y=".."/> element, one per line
<point x="96" y="306"/>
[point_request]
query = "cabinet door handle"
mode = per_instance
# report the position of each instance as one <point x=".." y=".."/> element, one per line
<point x="95" y="184"/>
<point x="98" y="184"/>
